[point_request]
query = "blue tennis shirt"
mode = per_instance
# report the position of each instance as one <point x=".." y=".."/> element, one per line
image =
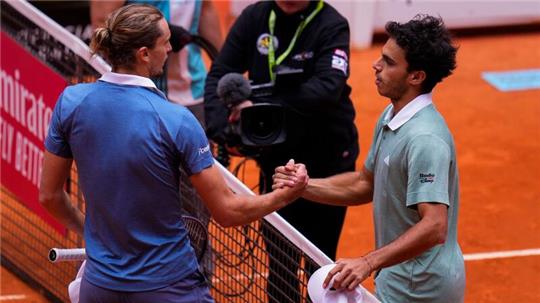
<point x="128" y="142"/>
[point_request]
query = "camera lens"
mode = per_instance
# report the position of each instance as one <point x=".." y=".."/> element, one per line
<point x="263" y="128"/>
<point x="262" y="125"/>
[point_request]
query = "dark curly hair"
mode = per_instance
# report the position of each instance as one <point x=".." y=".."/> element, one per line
<point x="428" y="47"/>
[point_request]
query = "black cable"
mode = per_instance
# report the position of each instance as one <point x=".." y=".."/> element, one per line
<point x="180" y="37"/>
<point x="208" y="47"/>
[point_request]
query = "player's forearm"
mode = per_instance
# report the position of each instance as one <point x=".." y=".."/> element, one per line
<point x="424" y="235"/>
<point x="229" y="209"/>
<point x="343" y="189"/>
<point x="59" y="205"/>
<point x="245" y="209"/>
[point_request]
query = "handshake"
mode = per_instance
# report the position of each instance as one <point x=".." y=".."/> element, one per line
<point x="291" y="175"/>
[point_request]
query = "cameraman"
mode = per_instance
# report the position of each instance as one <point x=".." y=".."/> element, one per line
<point x="314" y="37"/>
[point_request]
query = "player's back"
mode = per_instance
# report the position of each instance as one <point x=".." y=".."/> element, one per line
<point x="124" y="140"/>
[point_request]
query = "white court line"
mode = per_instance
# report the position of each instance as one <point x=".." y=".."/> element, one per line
<point x="467" y="257"/>
<point x="502" y="254"/>
<point x="12" y="297"/>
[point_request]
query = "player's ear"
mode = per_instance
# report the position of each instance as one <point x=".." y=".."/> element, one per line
<point x="417" y="77"/>
<point x="142" y="54"/>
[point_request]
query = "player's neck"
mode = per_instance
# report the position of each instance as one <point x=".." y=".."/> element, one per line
<point x="136" y="70"/>
<point x="405" y="99"/>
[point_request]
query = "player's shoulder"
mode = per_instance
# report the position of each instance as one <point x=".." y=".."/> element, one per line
<point x="431" y="119"/>
<point x="80" y="88"/>
<point x="162" y="104"/>
<point x="74" y="94"/>
<point x="178" y="121"/>
<point x="172" y="114"/>
<point x="432" y="136"/>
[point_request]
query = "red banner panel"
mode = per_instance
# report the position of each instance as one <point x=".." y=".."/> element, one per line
<point x="29" y="90"/>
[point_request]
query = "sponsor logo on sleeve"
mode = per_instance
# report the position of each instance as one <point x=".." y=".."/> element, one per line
<point x="205" y="149"/>
<point x="340" y="60"/>
<point x="341" y="53"/>
<point x="427" y="178"/>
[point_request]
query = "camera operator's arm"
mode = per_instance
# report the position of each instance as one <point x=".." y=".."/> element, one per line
<point x="235" y="111"/>
<point x="233" y="57"/>
<point x="330" y="74"/>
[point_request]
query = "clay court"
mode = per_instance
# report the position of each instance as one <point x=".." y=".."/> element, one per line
<point x="497" y="137"/>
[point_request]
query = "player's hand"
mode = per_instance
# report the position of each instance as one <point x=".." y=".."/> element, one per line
<point x="349" y="273"/>
<point x="235" y="111"/>
<point x="297" y="184"/>
<point x="286" y="175"/>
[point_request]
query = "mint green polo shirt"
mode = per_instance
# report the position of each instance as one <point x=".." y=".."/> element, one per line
<point x="413" y="160"/>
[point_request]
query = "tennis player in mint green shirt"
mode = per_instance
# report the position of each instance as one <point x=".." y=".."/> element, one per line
<point x="410" y="174"/>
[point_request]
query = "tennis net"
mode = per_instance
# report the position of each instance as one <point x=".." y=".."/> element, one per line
<point x="36" y="65"/>
<point x="237" y="265"/>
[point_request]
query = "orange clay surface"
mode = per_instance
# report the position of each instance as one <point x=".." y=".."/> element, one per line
<point x="497" y="137"/>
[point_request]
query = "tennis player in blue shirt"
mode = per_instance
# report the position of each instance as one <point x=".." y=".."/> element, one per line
<point x="410" y="174"/>
<point x="128" y="143"/>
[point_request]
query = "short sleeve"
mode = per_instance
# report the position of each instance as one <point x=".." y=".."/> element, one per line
<point x="428" y="166"/>
<point x="56" y="141"/>
<point x="193" y="146"/>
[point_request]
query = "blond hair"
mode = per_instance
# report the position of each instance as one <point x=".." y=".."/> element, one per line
<point x="126" y="30"/>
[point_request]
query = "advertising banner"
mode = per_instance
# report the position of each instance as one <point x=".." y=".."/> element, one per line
<point x="28" y="91"/>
